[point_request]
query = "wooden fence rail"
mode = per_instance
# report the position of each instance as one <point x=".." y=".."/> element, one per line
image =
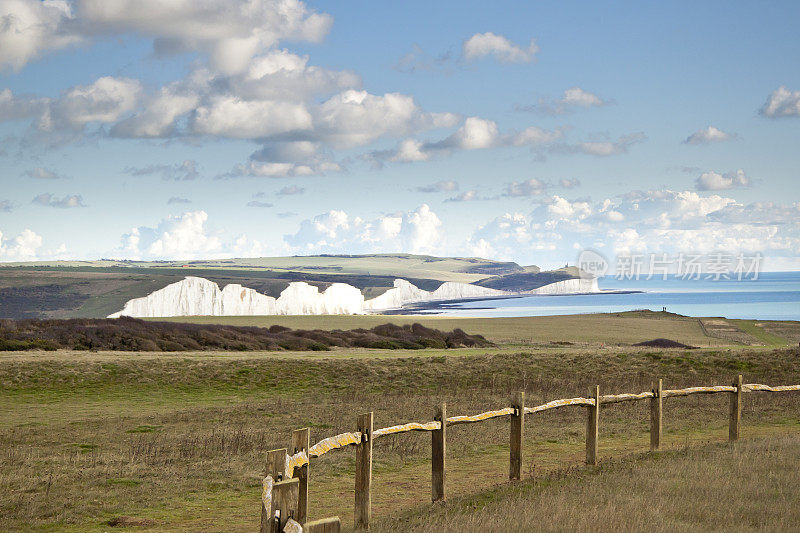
<point x="285" y="491"/>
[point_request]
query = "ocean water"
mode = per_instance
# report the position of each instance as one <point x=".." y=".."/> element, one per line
<point x="773" y="296"/>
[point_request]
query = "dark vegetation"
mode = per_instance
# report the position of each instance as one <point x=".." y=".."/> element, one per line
<point x="130" y="334"/>
<point x="664" y="343"/>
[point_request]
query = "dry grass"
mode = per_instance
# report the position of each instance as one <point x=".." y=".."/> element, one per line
<point x="179" y="440"/>
<point x="751" y="485"/>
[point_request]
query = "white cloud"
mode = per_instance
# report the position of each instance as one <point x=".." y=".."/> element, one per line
<point x="603" y="148"/>
<point x="41" y="173"/>
<point x="656" y="221"/>
<point x="285" y="170"/>
<point x="67" y="202"/>
<point x="176" y="237"/>
<point x="714" y="181"/>
<point x="525" y="188"/>
<point x="104" y="101"/>
<point x="707" y="136"/>
<point x="15" y="108"/>
<point x="782" y="103"/>
<point x="417" y="231"/>
<point x="573" y="98"/>
<point x="570" y="183"/>
<point x="158" y="115"/>
<point x="282" y="75"/>
<point x="29" y="28"/>
<point x="466" y="196"/>
<point x="23" y="247"/>
<point x="475" y="133"/>
<point x="440" y="186"/>
<point x="354" y="118"/>
<point x="231" y="32"/>
<point x="184" y="171"/>
<point x="6" y="206"/>
<point x="228" y="116"/>
<point x="489" y="44"/>
<point x="178" y="200"/>
<point x="291" y="190"/>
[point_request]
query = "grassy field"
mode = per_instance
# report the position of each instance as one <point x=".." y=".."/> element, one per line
<point x="176" y="442"/>
<point x="749" y="486"/>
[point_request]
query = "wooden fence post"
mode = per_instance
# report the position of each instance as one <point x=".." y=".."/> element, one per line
<point x="284" y="503"/>
<point x="438" y="454"/>
<point x="592" y="427"/>
<point x="276" y="464"/>
<point x="517" y="430"/>
<point x="301" y="441"/>
<point x="326" y="525"/>
<point x="656" y="409"/>
<point x="736" y="411"/>
<point x="363" y="508"/>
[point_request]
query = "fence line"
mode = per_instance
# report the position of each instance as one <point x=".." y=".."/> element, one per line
<point x="296" y="465"/>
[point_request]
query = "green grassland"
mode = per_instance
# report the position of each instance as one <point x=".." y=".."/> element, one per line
<point x="176" y="441"/>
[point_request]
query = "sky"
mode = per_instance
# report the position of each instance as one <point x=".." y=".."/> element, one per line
<point x="523" y="131"/>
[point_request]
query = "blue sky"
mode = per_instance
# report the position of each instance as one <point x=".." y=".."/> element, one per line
<point x="525" y="131"/>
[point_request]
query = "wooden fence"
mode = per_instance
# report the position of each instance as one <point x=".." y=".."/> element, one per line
<point x="285" y="492"/>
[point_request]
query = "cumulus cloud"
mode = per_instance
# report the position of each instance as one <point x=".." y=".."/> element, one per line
<point x="439" y="186"/>
<point x="354" y="118"/>
<point x="654" y="221"/>
<point x="475" y="133"/>
<point x="284" y="170"/>
<point x="23" y="247"/>
<point x="714" y="181"/>
<point x="184" y="171"/>
<point x="104" y="101"/>
<point x="707" y="136"/>
<point x="231" y="33"/>
<point x="41" y="173"/>
<point x="16" y="108"/>
<point x="499" y="47"/>
<point x="6" y="206"/>
<point x="417" y="231"/>
<point x="781" y="103"/>
<point x="176" y="237"/>
<point x="531" y="187"/>
<point x="573" y="98"/>
<point x="570" y="183"/>
<point x="67" y="202"/>
<point x="29" y="28"/>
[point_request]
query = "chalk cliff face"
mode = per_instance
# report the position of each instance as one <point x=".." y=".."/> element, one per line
<point x="199" y="296"/>
<point x="568" y="286"/>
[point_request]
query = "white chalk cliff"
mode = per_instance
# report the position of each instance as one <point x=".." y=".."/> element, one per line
<point x="194" y="296"/>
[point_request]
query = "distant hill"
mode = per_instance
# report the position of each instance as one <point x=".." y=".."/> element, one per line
<point x="95" y="289"/>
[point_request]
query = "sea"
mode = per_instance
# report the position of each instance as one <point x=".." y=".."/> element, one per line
<point x="772" y="296"/>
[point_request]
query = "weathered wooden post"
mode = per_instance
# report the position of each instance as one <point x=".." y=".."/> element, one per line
<point x="656" y="409"/>
<point x="363" y="508"/>
<point x="276" y="464"/>
<point x="438" y="454"/>
<point x="517" y="430"/>
<point x="593" y="427"/>
<point x="326" y="525"/>
<point x="284" y="503"/>
<point x="736" y="410"/>
<point x="301" y="441"/>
